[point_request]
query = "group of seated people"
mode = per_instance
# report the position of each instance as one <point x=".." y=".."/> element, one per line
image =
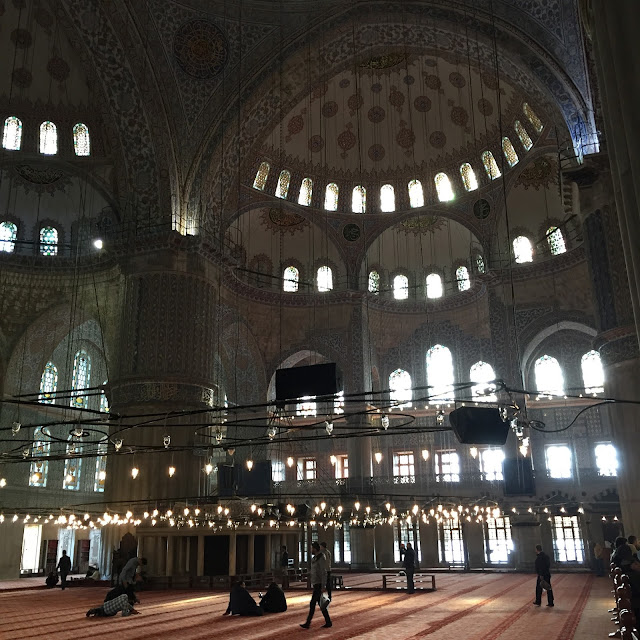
<point x="120" y="598"/>
<point x="626" y="557"/>
<point x="242" y="604"/>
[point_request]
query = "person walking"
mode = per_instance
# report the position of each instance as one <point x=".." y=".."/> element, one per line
<point x="543" y="569"/>
<point x="409" y="565"/>
<point x="284" y="567"/>
<point x="318" y="575"/>
<point x="327" y="556"/>
<point x="64" y="566"/>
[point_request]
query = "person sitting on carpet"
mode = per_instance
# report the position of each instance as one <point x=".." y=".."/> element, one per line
<point x="111" y="607"/>
<point x="241" y="603"/>
<point x="274" y="600"/>
<point x="52" y="579"/>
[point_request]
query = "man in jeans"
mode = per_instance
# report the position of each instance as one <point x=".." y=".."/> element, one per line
<point x="543" y="569"/>
<point x="327" y="556"/>
<point x="318" y="576"/>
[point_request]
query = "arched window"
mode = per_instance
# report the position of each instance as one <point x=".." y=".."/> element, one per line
<point x="522" y="249"/>
<point x="80" y="379"/>
<point x="592" y="372"/>
<point x="527" y="143"/>
<point x="400" y="388"/>
<point x="468" y="177"/>
<point x="325" y="279"/>
<point x="81" y="141"/>
<point x="533" y="118"/>
<point x="416" y="194"/>
<point x="443" y="187"/>
<point x="283" y="184"/>
<point x="434" y="286"/>
<point x="39" y="469"/>
<point x="490" y="165"/>
<point x="462" y="278"/>
<point x="480" y="263"/>
<point x="48" y="138"/>
<point x="401" y="287"/>
<point x="440" y="374"/>
<point x="101" y="468"/>
<point x="483" y="375"/>
<point x="387" y="198"/>
<point x="8" y="233"/>
<point x="374" y="282"/>
<point x="291" y="280"/>
<point x="509" y="152"/>
<point x="261" y="176"/>
<point x="331" y="197"/>
<point x="12" y="134"/>
<point x="549" y="378"/>
<point x="306" y="191"/>
<point x="556" y="241"/>
<point x="48" y="383"/>
<point x="359" y="199"/>
<point x="48" y="241"/>
<point x="72" y="466"/>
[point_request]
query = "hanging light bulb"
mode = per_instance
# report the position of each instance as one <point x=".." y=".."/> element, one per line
<point x="249" y="464"/>
<point x="3" y="483"/>
<point x="15" y="427"/>
<point x="196" y="511"/>
<point x="77" y="432"/>
<point x="368" y="509"/>
<point x="440" y="417"/>
<point x="474" y="452"/>
<point x="425" y="454"/>
<point x="231" y="451"/>
<point x="323" y="505"/>
<point x="290" y="462"/>
<point x="384" y="421"/>
<point x="166" y="441"/>
<point x="253" y="508"/>
<point x="339" y="508"/>
<point x="117" y="444"/>
<point x="328" y="425"/>
<point x="128" y="515"/>
<point x="172" y="471"/>
<point x="186" y="511"/>
<point x="357" y="506"/>
<point x="134" y="472"/>
<point x="378" y="457"/>
<point x="272" y="431"/>
<point x="415" y="509"/>
<point x="208" y="468"/>
<point x="581" y="510"/>
<point x="388" y="506"/>
<point x="219" y="435"/>
<point x="25" y="452"/>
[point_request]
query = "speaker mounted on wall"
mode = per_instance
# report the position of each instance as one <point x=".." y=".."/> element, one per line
<point x="311" y="380"/>
<point x="479" y="425"/>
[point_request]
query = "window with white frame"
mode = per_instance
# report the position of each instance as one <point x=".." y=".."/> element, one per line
<point x="497" y="540"/>
<point x="447" y="466"/>
<point x="491" y="464"/>
<point x="277" y="471"/>
<point x="404" y="466"/>
<point x="567" y="539"/>
<point x="559" y="461"/>
<point x="308" y="407"/>
<point x="406" y="533"/>
<point x="400" y="388"/>
<point x="306" y="468"/>
<point x="592" y="372"/>
<point x="606" y="459"/>
<point x="342" y="467"/>
<point x="451" y="541"/>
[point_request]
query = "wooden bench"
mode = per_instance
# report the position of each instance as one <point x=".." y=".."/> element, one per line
<point x="418" y="579"/>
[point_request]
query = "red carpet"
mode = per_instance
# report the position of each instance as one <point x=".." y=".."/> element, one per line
<point x="467" y="606"/>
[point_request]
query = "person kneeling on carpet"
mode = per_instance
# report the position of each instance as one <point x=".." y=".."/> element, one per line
<point x="241" y="603"/>
<point x="111" y="607"/>
<point x="274" y="600"/>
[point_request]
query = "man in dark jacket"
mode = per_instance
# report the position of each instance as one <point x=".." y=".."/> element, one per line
<point x="241" y="603"/>
<point x="273" y="601"/>
<point x="543" y="569"/>
<point x="409" y="565"/>
<point x="64" y="566"/>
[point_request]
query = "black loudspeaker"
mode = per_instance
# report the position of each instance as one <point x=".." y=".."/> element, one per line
<point x="301" y="511"/>
<point x="239" y="481"/>
<point x="479" y="425"/>
<point x="312" y="380"/>
<point x="518" y="477"/>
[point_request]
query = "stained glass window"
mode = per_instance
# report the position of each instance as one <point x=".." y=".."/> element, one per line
<point x="48" y="383"/>
<point x="72" y="466"/>
<point x="48" y="138"/>
<point x="468" y="177"/>
<point x="401" y="287"/>
<point x="331" y="197"/>
<point x="480" y="263"/>
<point x="81" y="141"/>
<point x="291" y="280"/>
<point x="80" y="379"/>
<point x="261" y="176"/>
<point x="101" y="468"/>
<point x="592" y="372"/>
<point x="509" y="152"/>
<point x="8" y="233"/>
<point x="387" y="198"/>
<point x="306" y="191"/>
<point x="12" y="134"/>
<point x="400" y="388"/>
<point x="416" y="194"/>
<point x="283" y="184"/>
<point x="462" y="278"/>
<point x="483" y="375"/>
<point x="444" y="188"/>
<point x="374" y="282"/>
<point x="440" y="374"/>
<point x="48" y="241"/>
<point x="556" y="241"/>
<point x="549" y="378"/>
<point x="522" y="249"/>
<point x="359" y="199"/>
<point x="533" y="118"/>
<point x="325" y="279"/>
<point x="434" y="286"/>
<point x="527" y="143"/>
<point x="39" y="468"/>
<point x="490" y="165"/>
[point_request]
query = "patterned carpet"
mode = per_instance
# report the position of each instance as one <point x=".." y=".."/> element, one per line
<point x="467" y="606"/>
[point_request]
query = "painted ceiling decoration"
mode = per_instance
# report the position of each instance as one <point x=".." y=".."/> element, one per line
<point x="418" y="225"/>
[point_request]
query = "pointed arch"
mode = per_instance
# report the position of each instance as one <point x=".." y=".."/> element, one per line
<point x="387" y="198"/>
<point x="509" y="152"/>
<point x="331" y="197"/>
<point x="548" y="374"/>
<point x="416" y="194"/>
<point x="522" y="250"/>
<point x="306" y="192"/>
<point x="483" y="375"/>
<point x="48" y="138"/>
<point x="374" y="282"/>
<point x="81" y="140"/>
<point x="444" y="188"/>
<point x="400" y="287"/>
<point x="12" y="134"/>
<point x="48" y="241"/>
<point x="81" y="378"/>
<point x="462" y="278"/>
<point x="48" y="383"/>
<point x="440" y="374"/>
<point x="284" y="179"/>
<point x="324" y="279"/>
<point x="291" y="279"/>
<point x="359" y="199"/>
<point x="525" y="139"/>
<point x="8" y="234"/>
<point x="468" y="175"/>
<point x="592" y="372"/>
<point x="434" y="286"/>
<point x="400" y="388"/>
<point x="261" y="176"/>
<point x="490" y="165"/>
